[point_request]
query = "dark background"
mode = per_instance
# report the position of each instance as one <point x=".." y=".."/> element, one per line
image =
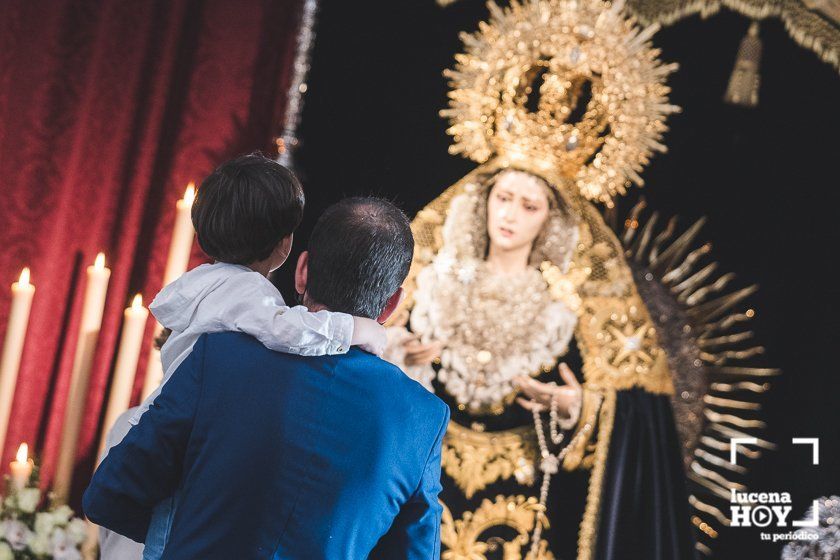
<point x="765" y="177"/>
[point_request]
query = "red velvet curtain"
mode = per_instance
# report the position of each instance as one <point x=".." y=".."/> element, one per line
<point x="108" y="109"/>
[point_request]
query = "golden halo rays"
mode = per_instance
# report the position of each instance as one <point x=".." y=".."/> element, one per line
<point x="568" y="89"/>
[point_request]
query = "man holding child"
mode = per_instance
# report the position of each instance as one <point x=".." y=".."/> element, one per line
<point x="271" y="437"/>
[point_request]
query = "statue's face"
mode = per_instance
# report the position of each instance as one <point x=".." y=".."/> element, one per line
<point x="517" y="209"/>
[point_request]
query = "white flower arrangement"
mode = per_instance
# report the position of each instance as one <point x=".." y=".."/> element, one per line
<point x="824" y="543"/>
<point x="28" y="532"/>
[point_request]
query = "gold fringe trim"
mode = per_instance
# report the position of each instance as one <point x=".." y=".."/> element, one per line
<point x="576" y="456"/>
<point x="589" y="525"/>
<point x="806" y="27"/>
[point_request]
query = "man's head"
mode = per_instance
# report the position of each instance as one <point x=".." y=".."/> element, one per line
<point x="359" y="254"/>
<point x="246" y="211"/>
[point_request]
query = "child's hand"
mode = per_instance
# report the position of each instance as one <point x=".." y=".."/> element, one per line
<point x="369" y="335"/>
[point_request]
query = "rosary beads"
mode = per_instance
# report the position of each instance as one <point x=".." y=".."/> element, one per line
<point x="549" y="463"/>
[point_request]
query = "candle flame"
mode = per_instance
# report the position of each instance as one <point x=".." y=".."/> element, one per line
<point x="24" y="277"/>
<point x="137" y="302"/>
<point x="189" y="194"/>
<point x="99" y="263"/>
<point x="22" y="453"/>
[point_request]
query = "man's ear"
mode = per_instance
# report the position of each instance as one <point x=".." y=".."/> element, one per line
<point x="393" y="303"/>
<point x="302" y="273"/>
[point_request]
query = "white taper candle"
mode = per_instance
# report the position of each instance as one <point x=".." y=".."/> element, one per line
<point x="180" y="248"/>
<point x="134" y="326"/>
<point x="22" y="293"/>
<point x="90" y="324"/>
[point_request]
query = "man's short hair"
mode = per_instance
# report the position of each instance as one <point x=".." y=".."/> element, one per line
<point x="359" y="255"/>
<point x="245" y="208"/>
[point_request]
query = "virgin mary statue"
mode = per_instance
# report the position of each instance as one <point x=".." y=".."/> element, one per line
<point x="517" y="277"/>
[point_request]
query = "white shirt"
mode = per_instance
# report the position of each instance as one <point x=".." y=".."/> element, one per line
<point x="225" y="297"/>
<point x="113" y="546"/>
<point x="229" y="297"/>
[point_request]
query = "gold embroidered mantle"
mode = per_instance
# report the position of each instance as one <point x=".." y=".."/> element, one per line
<point x="462" y="537"/>
<point x="475" y="459"/>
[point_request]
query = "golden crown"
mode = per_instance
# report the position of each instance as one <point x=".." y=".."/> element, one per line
<point x="568" y="89"/>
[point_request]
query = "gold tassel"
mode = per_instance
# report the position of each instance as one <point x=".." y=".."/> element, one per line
<point x="743" y="84"/>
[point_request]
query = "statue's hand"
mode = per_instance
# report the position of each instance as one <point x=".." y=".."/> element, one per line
<point x="541" y="394"/>
<point x="417" y="353"/>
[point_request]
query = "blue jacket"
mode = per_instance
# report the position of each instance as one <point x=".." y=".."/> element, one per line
<point x="279" y="456"/>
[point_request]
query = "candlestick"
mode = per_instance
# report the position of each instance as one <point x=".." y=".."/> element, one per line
<point x="94" y="304"/>
<point x="182" y="237"/>
<point x="21" y="467"/>
<point x="134" y="325"/>
<point x="22" y="294"/>
<point x="176" y="264"/>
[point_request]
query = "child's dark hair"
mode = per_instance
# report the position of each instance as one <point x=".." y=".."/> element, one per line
<point x="245" y="207"/>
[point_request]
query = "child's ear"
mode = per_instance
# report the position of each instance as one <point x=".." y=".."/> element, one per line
<point x="286" y="244"/>
<point x="302" y="273"/>
<point x="280" y="253"/>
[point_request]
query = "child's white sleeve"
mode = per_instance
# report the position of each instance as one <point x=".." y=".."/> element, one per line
<point x="294" y="330"/>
